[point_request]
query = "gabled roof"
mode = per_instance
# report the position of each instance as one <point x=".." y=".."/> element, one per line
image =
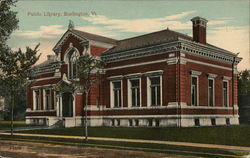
<point x="146" y="39"/>
<point x="94" y="37"/>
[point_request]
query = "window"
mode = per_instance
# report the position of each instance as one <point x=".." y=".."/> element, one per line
<point x="73" y="65"/>
<point x="47" y="102"/>
<point x="150" y="122"/>
<point x="37" y="100"/>
<point x="210" y="92"/>
<point x="117" y="93"/>
<point x="157" y="123"/>
<point x="225" y="93"/>
<point x="135" y="92"/>
<point x="197" y="122"/>
<point x="155" y="89"/>
<point x="136" y="122"/>
<point x="194" y="89"/>
<point x="130" y="122"/>
<point x="227" y="121"/>
<point x="213" y="121"/>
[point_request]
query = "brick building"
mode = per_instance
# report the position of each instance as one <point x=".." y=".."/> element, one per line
<point x="160" y="79"/>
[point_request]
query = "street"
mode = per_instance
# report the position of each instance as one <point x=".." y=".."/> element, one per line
<point x="17" y="149"/>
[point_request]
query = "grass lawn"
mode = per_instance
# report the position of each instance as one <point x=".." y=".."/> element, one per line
<point x="160" y="148"/>
<point x="16" y="124"/>
<point x="226" y="135"/>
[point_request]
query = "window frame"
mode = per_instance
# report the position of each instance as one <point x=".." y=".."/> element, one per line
<point x="112" y="94"/>
<point x="197" y="90"/>
<point x="130" y="93"/>
<point x="73" y="55"/>
<point x="208" y="96"/>
<point x="149" y="90"/>
<point x="223" y="98"/>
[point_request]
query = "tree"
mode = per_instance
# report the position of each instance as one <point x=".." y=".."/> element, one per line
<point x="88" y="70"/>
<point x="8" y="20"/>
<point x="244" y="82"/>
<point x="14" y="65"/>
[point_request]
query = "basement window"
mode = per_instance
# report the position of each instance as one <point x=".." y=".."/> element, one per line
<point x="197" y="122"/>
<point x="213" y="122"/>
<point x="227" y="121"/>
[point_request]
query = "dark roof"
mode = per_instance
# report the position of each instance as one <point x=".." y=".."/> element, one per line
<point x="94" y="37"/>
<point x="147" y="39"/>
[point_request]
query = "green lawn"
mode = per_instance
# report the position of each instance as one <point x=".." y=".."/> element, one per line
<point x="227" y="135"/>
<point x="169" y="149"/>
<point x="16" y="124"/>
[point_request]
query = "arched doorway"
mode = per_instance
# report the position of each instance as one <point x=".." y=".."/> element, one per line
<point x="67" y="104"/>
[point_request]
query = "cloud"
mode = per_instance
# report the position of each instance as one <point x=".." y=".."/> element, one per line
<point x="45" y="32"/>
<point x="142" y="25"/>
<point x="235" y="39"/>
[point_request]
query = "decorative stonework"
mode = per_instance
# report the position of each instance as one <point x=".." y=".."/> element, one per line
<point x="174" y="44"/>
<point x="209" y="75"/>
<point x="227" y="78"/>
<point x="196" y="73"/>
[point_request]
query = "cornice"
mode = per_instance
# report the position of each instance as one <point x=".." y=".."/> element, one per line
<point x="175" y="44"/>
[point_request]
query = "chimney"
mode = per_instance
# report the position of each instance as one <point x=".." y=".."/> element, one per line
<point x="199" y="29"/>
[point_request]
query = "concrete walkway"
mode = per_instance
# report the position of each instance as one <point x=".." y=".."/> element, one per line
<point x="226" y="147"/>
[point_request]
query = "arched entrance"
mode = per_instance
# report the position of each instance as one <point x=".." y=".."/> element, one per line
<point x="67" y="104"/>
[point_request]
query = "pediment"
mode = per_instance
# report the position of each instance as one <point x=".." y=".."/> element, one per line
<point x="67" y="34"/>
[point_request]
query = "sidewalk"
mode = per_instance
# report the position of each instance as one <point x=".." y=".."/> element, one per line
<point x="226" y="147"/>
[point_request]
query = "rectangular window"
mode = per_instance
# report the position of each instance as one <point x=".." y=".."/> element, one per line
<point x="225" y="93"/>
<point x="210" y="92"/>
<point x="135" y="92"/>
<point x="155" y="91"/>
<point x="194" y="89"/>
<point x="48" y="105"/>
<point x="117" y="93"/>
<point x="37" y="100"/>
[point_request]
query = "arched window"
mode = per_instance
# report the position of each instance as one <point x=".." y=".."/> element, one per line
<point x="73" y="65"/>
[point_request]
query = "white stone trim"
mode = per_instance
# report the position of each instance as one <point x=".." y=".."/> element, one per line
<point x="195" y="73"/>
<point x="45" y="78"/>
<point x="208" y="64"/>
<point x="115" y="78"/>
<point x="169" y="61"/>
<point x="43" y="86"/>
<point x="212" y="76"/>
<point x="226" y="78"/>
<point x="137" y="64"/>
<point x="169" y="116"/>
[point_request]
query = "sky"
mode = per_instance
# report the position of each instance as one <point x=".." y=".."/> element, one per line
<point x="44" y="21"/>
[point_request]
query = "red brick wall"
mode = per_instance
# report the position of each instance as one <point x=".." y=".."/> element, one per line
<point x="97" y="51"/>
<point x="199" y="34"/>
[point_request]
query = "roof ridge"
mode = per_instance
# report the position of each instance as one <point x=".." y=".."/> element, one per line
<point x="154" y="33"/>
<point x="94" y="34"/>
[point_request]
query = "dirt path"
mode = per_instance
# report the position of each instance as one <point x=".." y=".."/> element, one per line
<point x="17" y="149"/>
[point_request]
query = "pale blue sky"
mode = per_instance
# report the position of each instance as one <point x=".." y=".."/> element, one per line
<point x="228" y="25"/>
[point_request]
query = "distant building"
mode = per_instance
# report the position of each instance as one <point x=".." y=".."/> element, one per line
<point x="160" y="79"/>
